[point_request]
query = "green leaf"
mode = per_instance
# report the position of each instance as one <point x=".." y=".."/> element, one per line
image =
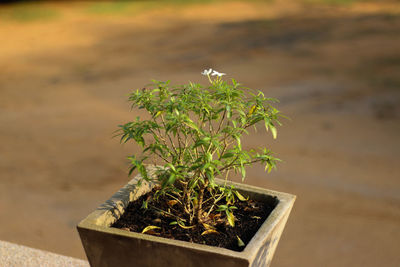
<point x="209" y="157"/>
<point x="193" y="184"/>
<point x="143" y="172"/>
<point x="131" y="170"/>
<point x="192" y="125"/>
<point x="171" y="166"/>
<point x="273" y="131"/>
<point x="144" y="204"/>
<point x="227" y="155"/>
<point x="202" y="142"/>
<point x="243" y="171"/>
<point x="205" y="166"/>
<point x="266" y="122"/>
<point x="222" y="207"/>
<point x="171" y="179"/>
<point x="229" y="111"/>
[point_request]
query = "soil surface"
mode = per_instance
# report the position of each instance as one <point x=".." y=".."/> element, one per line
<point x="66" y="68"/>
<point x="249" y="216"/>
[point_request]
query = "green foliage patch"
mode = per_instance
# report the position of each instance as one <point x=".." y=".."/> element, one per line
<point x="195" y="133"/>
<point x="28" y="12"/>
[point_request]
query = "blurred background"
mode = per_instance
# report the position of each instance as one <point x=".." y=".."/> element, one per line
<point x="66" y="68"/>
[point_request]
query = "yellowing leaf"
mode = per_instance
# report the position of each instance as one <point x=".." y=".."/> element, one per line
<point x="240" y="196"/>
<point x="150" y="227"/>
<point x="157" y="114"/>
<point x="240" y="242"/>
<point x="252" y="109"/>
<point x="231" y="219"/>
<point x="210" y="231"/>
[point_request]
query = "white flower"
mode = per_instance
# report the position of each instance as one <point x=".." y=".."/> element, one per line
<point x="207" y="72"/>
<point x="216" y="73"/>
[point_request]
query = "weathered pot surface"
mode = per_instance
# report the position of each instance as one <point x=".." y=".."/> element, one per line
<point x="106" y="246"/>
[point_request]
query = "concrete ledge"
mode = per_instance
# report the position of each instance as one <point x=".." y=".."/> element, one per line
<point x="20" y="256"/>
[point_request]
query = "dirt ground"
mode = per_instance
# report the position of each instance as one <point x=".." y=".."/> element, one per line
<point x="66" y="69"/>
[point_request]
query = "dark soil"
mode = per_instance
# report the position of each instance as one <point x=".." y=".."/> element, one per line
<point x="249" y="216"/>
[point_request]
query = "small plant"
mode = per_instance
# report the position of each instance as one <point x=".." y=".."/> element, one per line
<point x="194" y="133"/>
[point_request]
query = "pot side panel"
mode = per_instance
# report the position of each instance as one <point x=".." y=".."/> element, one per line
<point x="267" y="250"/>
<point x="110" y="250"/>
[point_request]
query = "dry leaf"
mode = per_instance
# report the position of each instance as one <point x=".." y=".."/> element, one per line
<point x="208" y="227"/>
<point x="186" y="227"/>
<point x="210" y="231"/>
<point x="150" y="227"/>
<point x="152" y="232"/>
<point x="157" y="220"/>
<point x="172" y="202"/>
<point x="215" y="216"/>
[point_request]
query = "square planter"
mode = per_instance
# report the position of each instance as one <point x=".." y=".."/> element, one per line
<point x="106" y="246"/>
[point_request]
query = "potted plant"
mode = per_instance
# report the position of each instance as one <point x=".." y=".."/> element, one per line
<point x="176" y="211"/>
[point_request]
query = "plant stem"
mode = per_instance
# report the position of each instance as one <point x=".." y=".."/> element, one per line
<point x="200" y="204"/>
